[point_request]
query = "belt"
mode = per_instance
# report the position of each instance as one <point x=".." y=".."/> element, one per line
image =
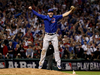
<point x="50" y="33"/>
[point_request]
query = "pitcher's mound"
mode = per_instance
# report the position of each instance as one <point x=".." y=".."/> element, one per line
<point x="30" y="71"/>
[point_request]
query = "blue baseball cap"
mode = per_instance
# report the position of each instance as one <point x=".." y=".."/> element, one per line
<point x="50" y="10"/>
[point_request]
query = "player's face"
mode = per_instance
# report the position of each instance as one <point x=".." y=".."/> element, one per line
<point x="50" y="14"/>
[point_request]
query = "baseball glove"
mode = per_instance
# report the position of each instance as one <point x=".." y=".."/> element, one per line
<point x="72" y="8"/>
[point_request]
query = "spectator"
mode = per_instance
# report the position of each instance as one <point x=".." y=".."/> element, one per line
<point x="29" y="52"/>
<point x="1" y="57"/>
<point x="7" y="56"/>
<point x="97" y="54"/>
<point x="22" y="51"/>
<point x="85" y="55"/>
<point x="89" y="51"/>
<point x="1" y="48"/>
<point x="92" y="56"/>
<point x="72" y="54"/>
<point x="15" y="42"/>
<point x="24" y="46"/>
<point x="22" y="29"/>
<point x="16" y="50"/>
<point x="66" y="54"/>
<point x="80" y="51"/>
<point x="18" y="56"/>
<point x="84" y="46"/>
<point x="94" y="47"/>
<point x="37" y="52"/>
<point x="10" y="49"/>
<point x="75" y="50"/>
<point x="5" y="50"/>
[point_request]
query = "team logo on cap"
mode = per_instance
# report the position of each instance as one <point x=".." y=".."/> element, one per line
<point x="53" y="20"/>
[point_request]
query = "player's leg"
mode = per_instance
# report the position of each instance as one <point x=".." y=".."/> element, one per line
<point x="56" y="51"/>
<point x="44" y="50"/>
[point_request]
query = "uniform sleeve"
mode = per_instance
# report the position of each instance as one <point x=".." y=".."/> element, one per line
<point x="39" y="15"/>
<point x="58" y="17"/>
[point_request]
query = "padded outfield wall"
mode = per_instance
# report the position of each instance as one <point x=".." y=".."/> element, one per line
<point x="75" y="64"/>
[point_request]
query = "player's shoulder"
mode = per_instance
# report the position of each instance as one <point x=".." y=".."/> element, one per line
<point x="57" y="15"/>
<point x="44" y="16"/>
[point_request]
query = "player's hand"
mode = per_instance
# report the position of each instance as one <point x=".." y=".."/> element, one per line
<point x="30" y="7"/>
<point x="72" y="8"/>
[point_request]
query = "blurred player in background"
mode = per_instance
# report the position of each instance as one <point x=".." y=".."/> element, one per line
<point x="49" y="55"/>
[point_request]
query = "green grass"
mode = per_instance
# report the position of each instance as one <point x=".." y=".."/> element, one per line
<point x="84" y="72"/>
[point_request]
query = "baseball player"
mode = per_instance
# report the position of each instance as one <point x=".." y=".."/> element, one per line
<point x="50" y="22"/>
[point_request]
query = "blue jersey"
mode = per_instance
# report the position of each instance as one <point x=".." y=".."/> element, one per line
<point x="50" y="23"/>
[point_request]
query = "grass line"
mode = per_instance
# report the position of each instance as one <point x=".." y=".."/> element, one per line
<point x="84" y="72"/>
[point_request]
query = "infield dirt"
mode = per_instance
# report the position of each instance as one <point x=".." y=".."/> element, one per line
<point x="30" y="71"/>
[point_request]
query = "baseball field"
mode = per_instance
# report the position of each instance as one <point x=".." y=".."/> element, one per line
<point x="84" y="72"/>
<point x="31" y="71"/>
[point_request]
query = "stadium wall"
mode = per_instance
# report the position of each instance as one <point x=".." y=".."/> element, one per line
<point x="67" y="65"/>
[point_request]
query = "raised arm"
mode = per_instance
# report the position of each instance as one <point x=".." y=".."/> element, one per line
<point x="37" y="14"/>
<point x="67" y="13"/>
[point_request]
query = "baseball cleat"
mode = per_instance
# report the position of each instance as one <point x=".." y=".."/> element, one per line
<point x="59" y="67"/>
<point x="40" y="67"/>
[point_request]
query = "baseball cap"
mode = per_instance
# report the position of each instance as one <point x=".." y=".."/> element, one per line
<point x="50" y="10"/>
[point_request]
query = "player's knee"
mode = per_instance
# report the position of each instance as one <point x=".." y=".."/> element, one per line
<point x="40" y="63"/>
<point x="56" y="49"/>
<point x="43" y="51"/>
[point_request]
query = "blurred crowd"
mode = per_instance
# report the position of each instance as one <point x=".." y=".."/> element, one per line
<point x="21" y="32"/>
